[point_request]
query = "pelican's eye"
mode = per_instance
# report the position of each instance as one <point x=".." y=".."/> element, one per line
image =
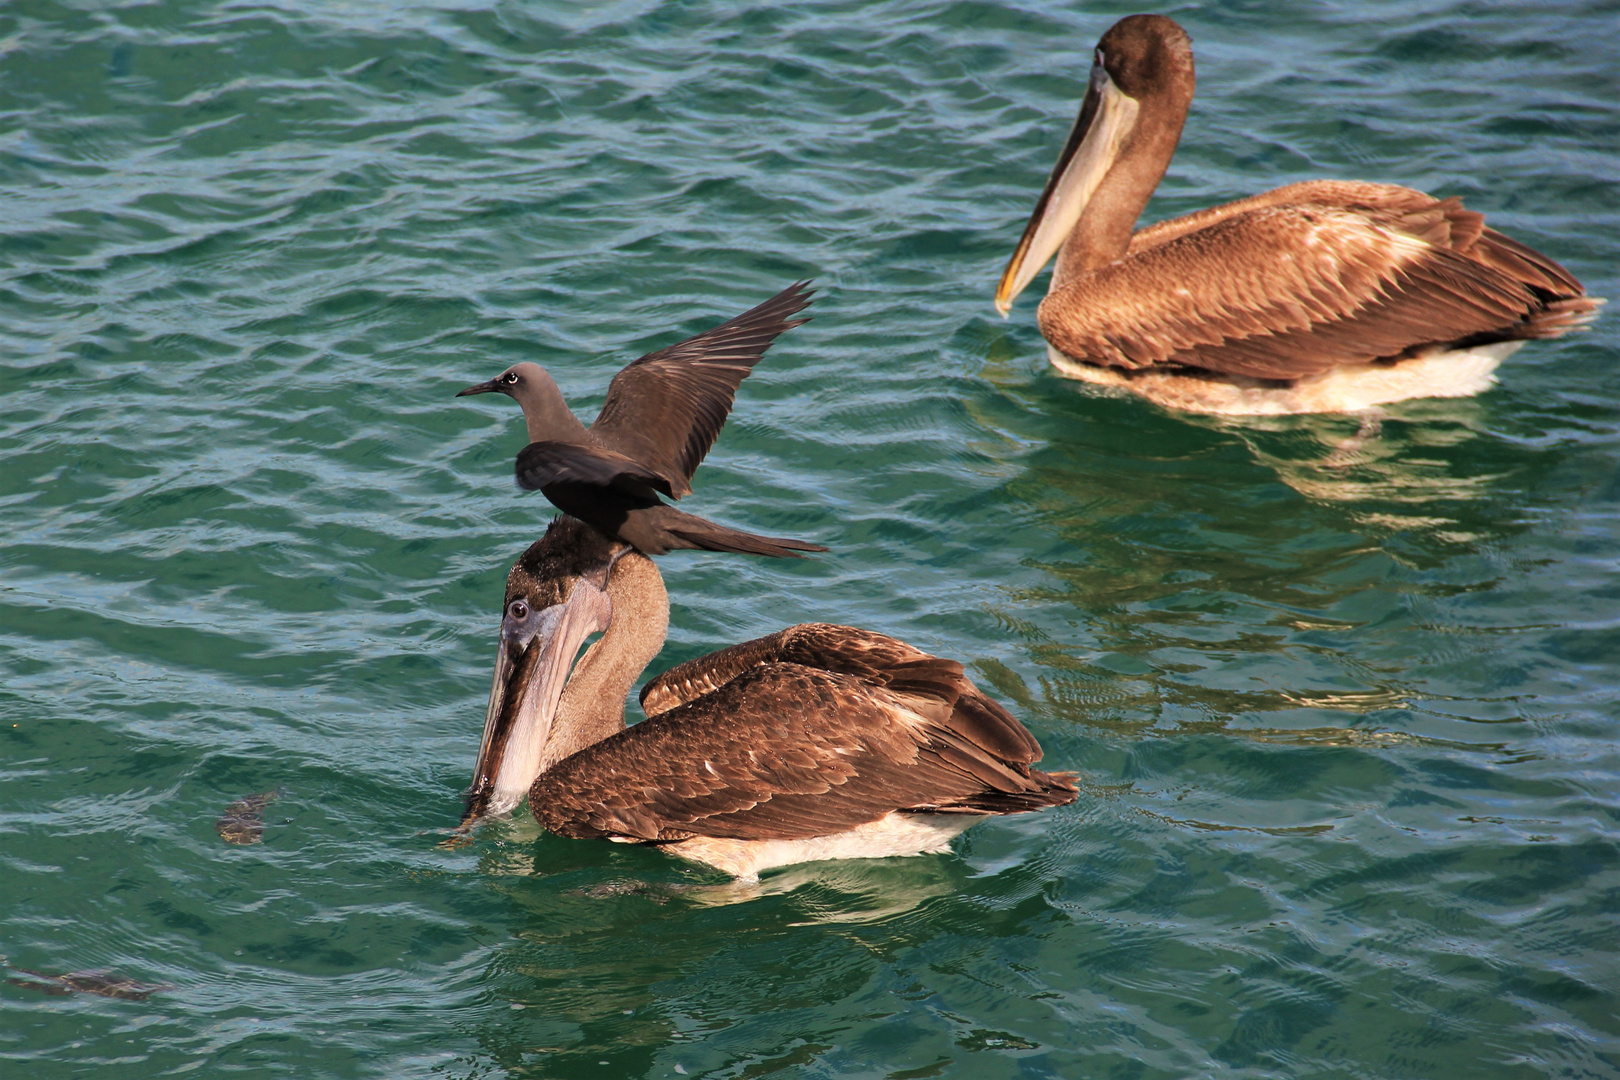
<point x="1099" y="73"/>
<point x="519" y="610"/>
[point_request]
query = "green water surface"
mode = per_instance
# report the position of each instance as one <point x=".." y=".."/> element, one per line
<point x="1344" y="719"/>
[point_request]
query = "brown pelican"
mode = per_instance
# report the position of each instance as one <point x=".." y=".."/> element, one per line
<point x="662" y="414"/>
<point x="818" y="742"/>
<point x="1324" y="296"/>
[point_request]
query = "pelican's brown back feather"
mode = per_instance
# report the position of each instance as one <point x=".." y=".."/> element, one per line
<point x="808" y="732"/>
<point x="876" y="658"/>
<point x="1298" y="280"/>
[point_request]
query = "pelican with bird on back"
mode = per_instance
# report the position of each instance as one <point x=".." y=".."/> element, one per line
<point x="817" y="742"/>
<point x="1321" y="296"/>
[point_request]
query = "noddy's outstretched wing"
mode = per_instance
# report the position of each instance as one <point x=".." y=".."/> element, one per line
<point x="666" y="409"/>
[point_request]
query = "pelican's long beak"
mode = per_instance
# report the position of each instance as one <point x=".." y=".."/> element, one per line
<point x="516" y="637"/>
<point x="1106" y="118"/>
<point x="531" y="670"/>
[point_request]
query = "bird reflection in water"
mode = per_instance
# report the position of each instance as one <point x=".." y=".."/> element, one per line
<point x="848" y="891"/>
<point x="1199" y="574"/>
<point x="1423" y="466"/>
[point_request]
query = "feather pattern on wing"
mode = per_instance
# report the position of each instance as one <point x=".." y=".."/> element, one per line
<point x="876" y="659"/>
<point x="808" y="732"/>
<point x="542" y="464"/>
<point x="808" y="753"/>
<point x="1304" y="278"/>
<point x="666" y="409"/>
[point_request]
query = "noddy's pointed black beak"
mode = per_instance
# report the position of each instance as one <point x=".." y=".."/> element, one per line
<point x="480" y="388"/>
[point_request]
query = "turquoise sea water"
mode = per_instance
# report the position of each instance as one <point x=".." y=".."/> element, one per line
<point x="1345" y="724"/>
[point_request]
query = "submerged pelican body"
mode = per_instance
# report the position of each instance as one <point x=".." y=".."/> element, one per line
<point x="1324" y="296"/>
<point x="818" y="742"/>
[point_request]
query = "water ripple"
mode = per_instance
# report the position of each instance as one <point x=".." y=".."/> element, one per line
<point x="1341" y="707"/>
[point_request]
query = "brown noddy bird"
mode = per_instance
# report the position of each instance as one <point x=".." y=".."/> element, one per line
<point x="662" y="414"/>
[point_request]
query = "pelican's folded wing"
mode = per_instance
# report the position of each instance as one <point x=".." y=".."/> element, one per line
<point x="1305" y="278"/>
<point x="877" y="660"/>
<point x="784" y="751"/>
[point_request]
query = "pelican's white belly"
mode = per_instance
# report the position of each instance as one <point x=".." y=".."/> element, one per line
<point x="890" y="835"/>
<point x="1349" y="388"/>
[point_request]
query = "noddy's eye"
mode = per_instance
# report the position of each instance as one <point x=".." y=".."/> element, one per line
<point x="509" y="377"/>
<point x="519" y="610"/>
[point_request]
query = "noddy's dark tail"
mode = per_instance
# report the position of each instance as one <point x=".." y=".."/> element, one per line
<point x="654" y="530"/>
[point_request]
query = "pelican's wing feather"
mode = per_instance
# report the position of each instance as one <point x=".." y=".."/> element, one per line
<point x="876" y="659"/>
<point x="787" y="751"/>
<point x="1308" y="277"/>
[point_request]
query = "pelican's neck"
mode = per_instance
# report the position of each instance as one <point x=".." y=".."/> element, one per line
<point x="1103" y="233"/>
<point x="592" y="704"/>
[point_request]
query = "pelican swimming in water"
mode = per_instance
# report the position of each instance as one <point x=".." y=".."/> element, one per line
<point x="1323" y="296"/>
<point x="662" y="414"/>
<point x="818" y="742"/>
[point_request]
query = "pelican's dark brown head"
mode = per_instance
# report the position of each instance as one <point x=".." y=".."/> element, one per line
<point x="1146" y="55"/>
<point x="570" y="549"/>
<point x="556" y="597"/>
